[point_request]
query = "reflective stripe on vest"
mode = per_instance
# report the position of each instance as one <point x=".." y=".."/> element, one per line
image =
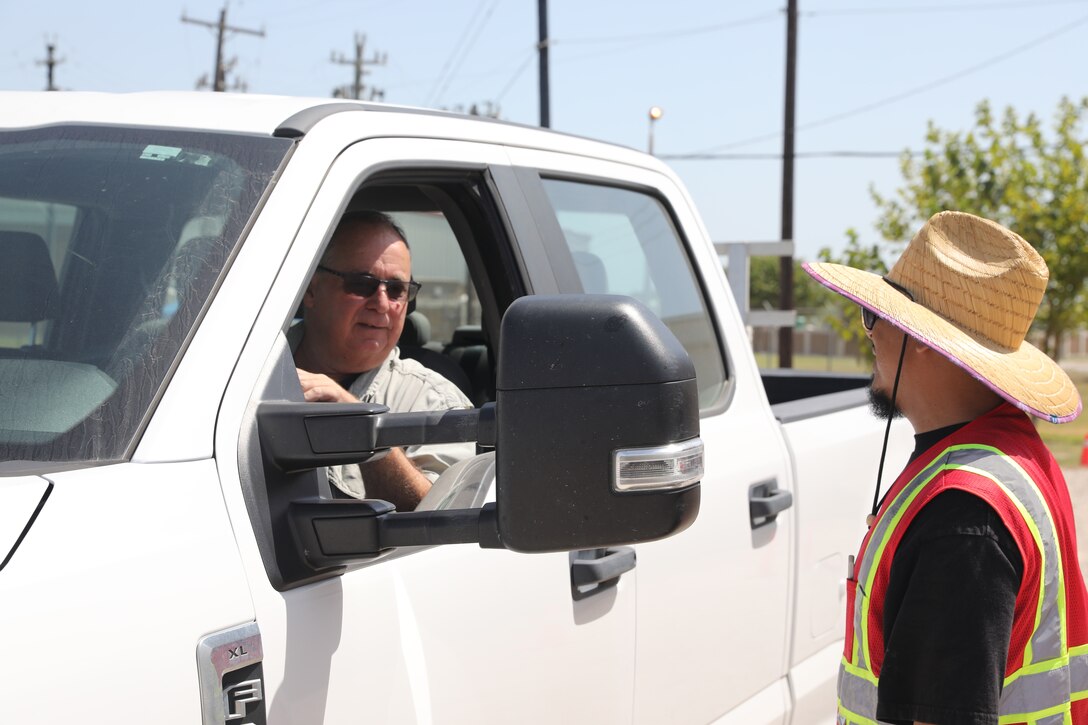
<point x="1040" y="690"/>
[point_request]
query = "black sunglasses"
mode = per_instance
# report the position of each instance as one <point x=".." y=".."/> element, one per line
<point x="869" y="318"/>
<point x="362" y="284"/>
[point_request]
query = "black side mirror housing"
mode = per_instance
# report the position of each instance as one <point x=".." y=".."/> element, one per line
<point x="583" y="378"/>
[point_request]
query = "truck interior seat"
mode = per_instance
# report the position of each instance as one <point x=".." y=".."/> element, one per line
<point x="28" y="283"/>
<point x="170" y="300"/>
<point x="413" y="346"/>
<point x="469" y="348"/>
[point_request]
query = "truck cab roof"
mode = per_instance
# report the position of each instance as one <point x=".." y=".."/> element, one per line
<point x="285" y="116"/>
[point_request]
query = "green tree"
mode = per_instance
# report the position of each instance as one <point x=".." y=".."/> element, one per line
<point x="1010" y="170"/>
<point x="842" y="315"/>
<point x="764" y="287"/>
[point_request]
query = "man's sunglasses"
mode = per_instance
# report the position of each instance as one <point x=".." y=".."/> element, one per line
<point x="869" y="318"/>
<point x="362" y="284"/>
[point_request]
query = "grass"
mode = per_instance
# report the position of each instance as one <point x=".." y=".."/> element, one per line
<point x="817" y="362"/>
<point x="1066" y="441"/>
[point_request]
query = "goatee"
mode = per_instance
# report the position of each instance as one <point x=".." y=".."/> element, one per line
<point x="881" y="404"/>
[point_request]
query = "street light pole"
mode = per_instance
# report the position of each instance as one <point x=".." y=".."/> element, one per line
<point x="655" y="115"/>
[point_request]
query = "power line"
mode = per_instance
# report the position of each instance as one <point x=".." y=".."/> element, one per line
<point x="949" y="78"/>
<point x="461" y="49"/>
<point x="771" y="156"/>
<point x="681" y="32"/>
<point x="456" y="49"/>
<point x="498" y="70"/>
<point x="929" y="9"/>
<point x="635" y="41"/>
<point x="529" y="55"/>
<point x="639" y="41"/>
<point x="468" y="48"/>
<point x="631" y="42"/>
<point x="944" y="80"/>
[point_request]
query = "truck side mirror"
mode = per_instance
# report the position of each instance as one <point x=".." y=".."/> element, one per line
<point x="597" y="425"/>
<point x="596" y="435"/>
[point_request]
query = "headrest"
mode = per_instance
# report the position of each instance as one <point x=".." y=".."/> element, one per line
<point x="417" y="330"/>
<point x="28" y="284"/>
<point x="467" y="336"/>
<point x="591" y="271"/>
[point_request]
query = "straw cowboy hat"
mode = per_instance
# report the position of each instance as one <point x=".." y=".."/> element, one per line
<point x="976" y="287"/>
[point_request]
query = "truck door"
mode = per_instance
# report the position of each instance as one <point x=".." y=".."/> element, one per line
<point x="713" y="603"/>
<point x="443" y="634"/>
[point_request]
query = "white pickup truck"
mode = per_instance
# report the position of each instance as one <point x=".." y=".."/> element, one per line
<point x="170" y="550"/>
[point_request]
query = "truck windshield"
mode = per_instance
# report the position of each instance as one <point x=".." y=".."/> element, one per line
<point x="111" y="242"/>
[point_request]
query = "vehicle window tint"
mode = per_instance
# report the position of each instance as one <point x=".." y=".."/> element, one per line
<point x="112" y="240"/>
<point x="624" y="242"/>
<point x="52" y="225"/>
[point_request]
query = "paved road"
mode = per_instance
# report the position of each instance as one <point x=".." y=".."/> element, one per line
<point x="1077" y="478"/>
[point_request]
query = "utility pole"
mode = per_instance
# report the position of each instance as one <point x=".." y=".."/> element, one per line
<point x="50" y="63"/>
<point x="485" y="109"/>
<point x="219" y="73"/>
<point x="355" y="90"/>
<point x="480" y="109"/>
<point x="542" y="47"/>
<point x="785" y="334"/>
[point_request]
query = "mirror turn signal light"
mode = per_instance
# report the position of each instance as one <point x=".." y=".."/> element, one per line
<point x="659" y="468"/>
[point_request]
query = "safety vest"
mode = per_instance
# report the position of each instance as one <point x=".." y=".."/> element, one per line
<point x="1046" y="672"/>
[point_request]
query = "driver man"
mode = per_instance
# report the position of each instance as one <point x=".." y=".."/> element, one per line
<point x="346" y="351"/>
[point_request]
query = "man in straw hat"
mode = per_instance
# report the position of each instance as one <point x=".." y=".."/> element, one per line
<point x="966" y="602"/>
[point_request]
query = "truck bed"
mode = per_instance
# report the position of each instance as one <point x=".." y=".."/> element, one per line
<point x="799" y="394"/>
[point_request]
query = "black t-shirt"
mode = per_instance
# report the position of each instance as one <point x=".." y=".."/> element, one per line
<point x="948" y="612"/>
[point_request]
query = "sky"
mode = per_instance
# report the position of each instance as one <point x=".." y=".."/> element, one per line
<point x="870" y="75"/>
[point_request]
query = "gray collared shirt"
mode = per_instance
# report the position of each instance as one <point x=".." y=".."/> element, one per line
<point x="404" y="386"/>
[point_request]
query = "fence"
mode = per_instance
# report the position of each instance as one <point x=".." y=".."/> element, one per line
<point x="810" y="342"/>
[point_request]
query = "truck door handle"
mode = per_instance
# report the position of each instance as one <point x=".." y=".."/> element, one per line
<point x="595" y="570"/>
<point x="766" y="501"/>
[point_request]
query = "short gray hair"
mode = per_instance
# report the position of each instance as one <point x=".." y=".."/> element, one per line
<point x="373" y="218"/>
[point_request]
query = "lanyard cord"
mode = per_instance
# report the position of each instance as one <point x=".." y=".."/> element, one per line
<point x="888" y="428"/>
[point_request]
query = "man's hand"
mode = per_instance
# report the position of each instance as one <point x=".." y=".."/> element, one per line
<point x="392" y="477"/>
<point x="322" y="389"/>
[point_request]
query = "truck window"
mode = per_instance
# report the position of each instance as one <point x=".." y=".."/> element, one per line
<point x="112" y="240"/>
<point x="463" y="260"/>
<point x="448" y="297"/>
<point x="624" y="242"/>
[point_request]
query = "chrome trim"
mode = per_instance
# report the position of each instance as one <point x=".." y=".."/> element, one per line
<point x="220" y="653"/>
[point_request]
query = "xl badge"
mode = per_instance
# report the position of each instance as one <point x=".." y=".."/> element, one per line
<point x="232" y="677"/>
